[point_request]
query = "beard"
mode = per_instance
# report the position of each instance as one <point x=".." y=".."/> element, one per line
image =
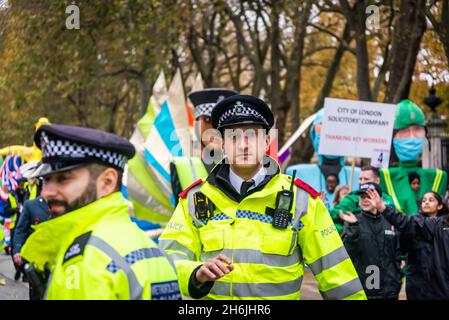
<point x="88" y="196"/>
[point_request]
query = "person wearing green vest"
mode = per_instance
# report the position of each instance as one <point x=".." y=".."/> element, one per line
<point x="350" y="202"/>
<point x="90" y="248"/>
<point x="32" y="189"/>
<point x="15" y="203"/>
<point x="186" y="170"/>
<point x="247" y="230"/>
<point x="2" y="238"/>
<point x="12" y="210"/>
<point x="408" y="140"/>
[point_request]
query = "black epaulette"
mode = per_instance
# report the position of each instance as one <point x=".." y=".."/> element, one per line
<point x="77" y="247"/>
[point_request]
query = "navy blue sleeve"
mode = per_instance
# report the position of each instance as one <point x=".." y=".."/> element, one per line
<point x="411" y="227"/>
<point x="22" y="230"/>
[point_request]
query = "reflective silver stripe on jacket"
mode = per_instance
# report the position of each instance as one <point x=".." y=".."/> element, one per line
<point x="192" y="169"/>
<point x="343" y="291"/>
<point x="328" y="261"/>
<point x="301" y="207"/>
<point x="255" y="257"/>
<point x="173" y="245"/>
<point x="256" y="289"/>
<point x="191" y="205"/>
<point x="135" y="289"/>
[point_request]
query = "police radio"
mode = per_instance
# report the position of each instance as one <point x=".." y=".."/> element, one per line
<point x="284" y="203"/>
<point x="204" y="208"/>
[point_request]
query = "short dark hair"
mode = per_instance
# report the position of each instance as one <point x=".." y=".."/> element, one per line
<point x="333" y="175"/>
<point x="412" y="176"/>
<point x="373" y="169"/>
<point x="95" y="169"/>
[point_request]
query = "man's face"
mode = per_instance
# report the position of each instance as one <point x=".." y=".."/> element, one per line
<point x="368" y="176"/>
<point x="68" y="191"/>
<point x="245" y="145"/>
<point x="410" y="132"/>
<point x="365" y="204"/>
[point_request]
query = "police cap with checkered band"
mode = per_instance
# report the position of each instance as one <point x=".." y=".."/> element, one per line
<point x="67" y="147"/>
<point x="242" y="109"/>
<point x="205" y="100"/>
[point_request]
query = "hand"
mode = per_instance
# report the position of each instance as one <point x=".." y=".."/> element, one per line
<point x="323" y="196"/>
<point x="349" y="217"/>
<point x="17" y="259"/>
<point x="214" y="269"/>
<point x="376" y="200"/>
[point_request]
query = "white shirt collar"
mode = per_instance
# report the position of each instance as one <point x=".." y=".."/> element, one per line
<point x="237" y="181"/>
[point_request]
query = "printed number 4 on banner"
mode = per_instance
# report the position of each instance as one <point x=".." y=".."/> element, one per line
<point x="380" y="158"/>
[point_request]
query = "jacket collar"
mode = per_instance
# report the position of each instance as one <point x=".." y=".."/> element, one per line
<point x="408" y="164"/>
<point x="219" y="177"/>
<point x="52" y="236"/>
<point x="237" y="181"/>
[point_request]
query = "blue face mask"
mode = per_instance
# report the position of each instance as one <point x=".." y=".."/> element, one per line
<point x="408" y="149"/>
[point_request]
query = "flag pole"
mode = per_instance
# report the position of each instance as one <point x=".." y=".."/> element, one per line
<point x="352" y="174"/>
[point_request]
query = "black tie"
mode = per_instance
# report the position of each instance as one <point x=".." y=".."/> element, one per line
<point x="245" y="186"/>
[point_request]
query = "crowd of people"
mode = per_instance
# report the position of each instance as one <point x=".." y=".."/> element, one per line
<point x="241" y="227"/>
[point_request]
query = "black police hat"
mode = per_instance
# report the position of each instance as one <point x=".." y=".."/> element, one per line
<point x="369" y="186"/>
<point x="242" y="109"/>
<point x="205" y="100"/>
<point x="67" y="147"/>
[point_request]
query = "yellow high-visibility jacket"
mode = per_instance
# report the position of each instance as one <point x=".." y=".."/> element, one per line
<point x="97" y="252"/>
<point x="32" y="190"/>
<point x="269" y="262"/>
<point x="13" y="202"/>
<point x="2" y="238"/>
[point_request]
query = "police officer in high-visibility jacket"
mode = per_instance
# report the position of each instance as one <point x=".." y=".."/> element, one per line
<point x="186" y="170"/>
<point x="247" y="230"/>
<point x="89" y="246"/>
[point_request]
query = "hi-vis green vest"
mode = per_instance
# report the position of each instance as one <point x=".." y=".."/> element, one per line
<point x="189" y="170"/>
<point x="96" y="252"/>
<point x="32" y="190"/>
<point x="395" y="182"/>
<point x="268" y="262"/>
<point x="13" y="202"/>
<point x="2" y="238"/>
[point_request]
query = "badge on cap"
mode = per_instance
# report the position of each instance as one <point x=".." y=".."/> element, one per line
<point x="238" y="108"/>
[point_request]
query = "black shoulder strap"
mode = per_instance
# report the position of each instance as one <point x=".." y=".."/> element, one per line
<point x="77" y="247"/>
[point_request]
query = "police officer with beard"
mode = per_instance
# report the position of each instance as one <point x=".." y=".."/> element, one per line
<point x="90" y="249"/>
